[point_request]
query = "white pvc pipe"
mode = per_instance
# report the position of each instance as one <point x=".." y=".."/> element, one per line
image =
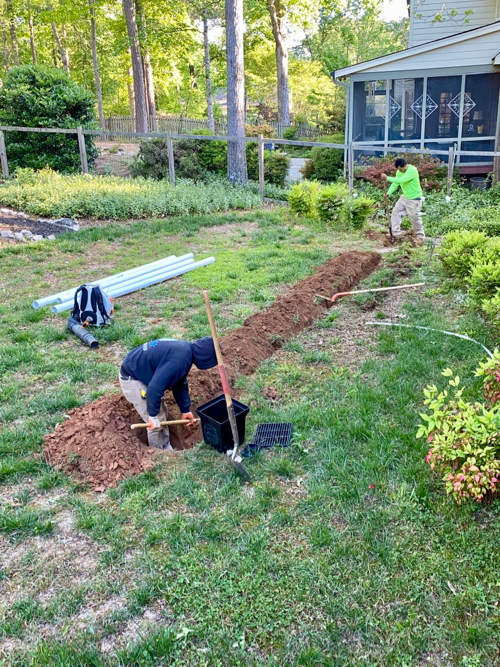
<point x="121" y="290"/>
<point x="135" y="279"/>
<point x="59" y="297"/>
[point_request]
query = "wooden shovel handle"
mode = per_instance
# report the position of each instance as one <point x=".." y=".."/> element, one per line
<point x="170" y="423"/>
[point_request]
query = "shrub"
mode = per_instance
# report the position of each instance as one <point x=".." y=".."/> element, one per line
<point x="457" y="250"/>
<point x="307" y="170"/>
<point x="303" y="198"/>
<point x="36" y="96"/>
<point x="290" y="133"/>
<point x="276" y="166"/>
<point x="356" y="211"/>
<point x="267" y="131"/>
<point x="433" y="174"/>
<point x="464" y="442"/>
<point x="193" y="158"/>
<point x="330" y="202"/>
<point x="486" y="218"/>
<point x="492" y="308"/>
<point x="484" y="281"/>
<point x="50" y="194"/>
<point x="490" y="372"/>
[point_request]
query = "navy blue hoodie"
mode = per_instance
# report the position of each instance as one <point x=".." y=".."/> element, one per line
<point x="164" y="364"/>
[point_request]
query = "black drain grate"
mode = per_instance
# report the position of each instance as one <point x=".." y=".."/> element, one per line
<point x="268" y="435"/>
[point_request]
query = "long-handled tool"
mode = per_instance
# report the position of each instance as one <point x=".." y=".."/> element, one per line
<point x="170" y="423"/>
<point x="388" y="212"/>
<point x="333" y="298"/>
<point x="233" y="455"/>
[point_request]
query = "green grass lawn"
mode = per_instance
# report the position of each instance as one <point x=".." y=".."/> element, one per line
<point x="344" y="551"/>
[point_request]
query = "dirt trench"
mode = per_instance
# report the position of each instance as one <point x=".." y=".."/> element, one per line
<point x="95" y="444"/>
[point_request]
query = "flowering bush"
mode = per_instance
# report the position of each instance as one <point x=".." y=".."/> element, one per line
<point x="432" y="172"/>
<point x="490" y="372"/>
<point x="464" y="442"/>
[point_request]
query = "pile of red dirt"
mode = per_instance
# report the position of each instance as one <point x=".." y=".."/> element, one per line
<point x="96" y="444"/>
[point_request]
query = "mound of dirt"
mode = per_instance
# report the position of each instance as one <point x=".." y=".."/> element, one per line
<point x="96" y="444"/>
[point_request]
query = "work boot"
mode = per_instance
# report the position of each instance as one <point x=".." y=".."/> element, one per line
<point x="419" y="241"/>
<point x="166" y="441"/>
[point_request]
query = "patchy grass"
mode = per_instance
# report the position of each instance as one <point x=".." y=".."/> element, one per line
<point x="344" y="551"/>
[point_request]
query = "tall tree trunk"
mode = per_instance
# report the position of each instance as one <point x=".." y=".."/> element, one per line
<point x="236" y="150"/>
<point x="97" y="77"/>
<point x="130" y="89"/>
<point x="6" y="55"/>
<point x="141" y="114"/>
<point x="148" y="68"/>
<point x="66" y="50"/>
<point x="62" y="52"/>
<point x="13" y="32"/>
<point x="208" y="77"/>
<point x="32" y="41"/>
<point x="277" y="12"/>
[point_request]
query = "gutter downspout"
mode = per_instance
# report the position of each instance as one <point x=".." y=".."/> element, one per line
<point x="346" y="132"/>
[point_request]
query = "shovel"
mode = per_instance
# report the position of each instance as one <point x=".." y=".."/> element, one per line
<point x="387" y="212"/>
<point x="233" y="455"/>
<point x="170" y="423"/>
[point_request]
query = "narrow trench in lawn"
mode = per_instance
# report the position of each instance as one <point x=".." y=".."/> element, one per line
<point x="96" y="445"/>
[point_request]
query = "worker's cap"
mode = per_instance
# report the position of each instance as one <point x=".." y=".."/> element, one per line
<point x="204" y="353"/>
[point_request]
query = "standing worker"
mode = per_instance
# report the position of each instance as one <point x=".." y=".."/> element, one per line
<point x="410" y="201"/>
<point x="150" y="369"/>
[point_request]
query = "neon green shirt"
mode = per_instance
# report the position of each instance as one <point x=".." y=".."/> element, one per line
<point x="409" y="181"/>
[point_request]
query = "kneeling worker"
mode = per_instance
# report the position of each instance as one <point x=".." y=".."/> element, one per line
<point x="410" y="201"/>
<point x="150" y="369"/>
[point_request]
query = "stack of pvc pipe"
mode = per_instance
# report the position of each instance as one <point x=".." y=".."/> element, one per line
<point x="129" y="281"/>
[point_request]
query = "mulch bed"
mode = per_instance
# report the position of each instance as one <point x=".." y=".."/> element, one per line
<point x="96" y="444"/>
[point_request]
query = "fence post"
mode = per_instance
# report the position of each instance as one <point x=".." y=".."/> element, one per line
<point x="83" y="150"/>
<point x="3" y="156"/>
<point x="350" y="163"/>
<point x="171" y="166"/>
<point x="451" y="165"/>
<point x="261" y="166"/>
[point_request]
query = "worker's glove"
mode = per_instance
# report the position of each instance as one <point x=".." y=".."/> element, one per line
<point x="153" y="423"/>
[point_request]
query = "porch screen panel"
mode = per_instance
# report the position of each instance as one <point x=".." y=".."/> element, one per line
<point x="369" y="111"/>
<point x="480" y="114"/>
<point x="405" y="109"/>
<point x="443" y="107"/>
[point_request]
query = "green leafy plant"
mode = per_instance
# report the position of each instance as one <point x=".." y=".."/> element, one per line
<point x="464" y="442"/>
<point x="456" y="252"/>
<point x="39" y="96"/>
<point x="492" y="308"/>
<point x="276" y="166"/>
<point x="490" y="372"/>
<point x="356" y="211"/>
<point x="330" y="202"/>
<point x="484" y="280"/>
<point x="302" y="198"/>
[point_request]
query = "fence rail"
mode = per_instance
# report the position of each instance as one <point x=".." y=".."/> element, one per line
<point x="115" y="125"/>
<point x="349" y="149"/>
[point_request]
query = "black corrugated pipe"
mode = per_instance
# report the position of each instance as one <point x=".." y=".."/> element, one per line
<point x="82" y="333"/>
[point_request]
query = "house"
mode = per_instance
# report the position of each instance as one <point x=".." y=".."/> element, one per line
<point x="442" y="91"/>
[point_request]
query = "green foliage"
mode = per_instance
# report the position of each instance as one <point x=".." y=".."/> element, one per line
<point x="276" y="166"/>
<point x="36" y="96"/>
<point x="485" y="219"/>
<point x="492" y="308"/>
<point x="303" y="197"/>
<point x="48" y="193"/>
<point x="330" y="202"/>
<point x="456" y="252"/>
<point x="489" y="370"/>
<point x="484" y="280"/>
<point x="356" y="211"/>
<point x="290" y="133"/>
<point x="465" y="446"/>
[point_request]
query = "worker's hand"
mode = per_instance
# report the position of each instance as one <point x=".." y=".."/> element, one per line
<point x="153" y="423"/>
<point x="192" y="424"/>
<point x="383" y="177"/>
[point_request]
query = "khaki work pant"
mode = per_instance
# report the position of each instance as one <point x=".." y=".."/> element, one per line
<point x="132" y="390"/>
<point x="411" y="208"/>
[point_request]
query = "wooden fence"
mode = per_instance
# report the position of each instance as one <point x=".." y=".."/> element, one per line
<point x="114" y="125"/>
<point x="349" y="149"/>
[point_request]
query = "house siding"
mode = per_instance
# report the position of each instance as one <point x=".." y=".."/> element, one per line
<point x="423" y="29"/>
<point x="475" y="52"/>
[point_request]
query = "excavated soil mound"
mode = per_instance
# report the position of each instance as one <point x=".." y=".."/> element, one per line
<point x="96" y="444"/>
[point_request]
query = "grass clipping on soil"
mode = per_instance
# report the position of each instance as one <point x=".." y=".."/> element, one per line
<point x="96" y="444"/>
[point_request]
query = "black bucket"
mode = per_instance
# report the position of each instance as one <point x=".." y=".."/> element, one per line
<point x="215" y="423"/>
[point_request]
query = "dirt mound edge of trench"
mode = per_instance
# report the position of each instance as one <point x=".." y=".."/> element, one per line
<point x="95" y="444"/>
